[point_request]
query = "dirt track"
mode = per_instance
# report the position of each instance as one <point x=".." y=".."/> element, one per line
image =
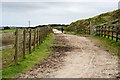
<point x="77" y="57"/>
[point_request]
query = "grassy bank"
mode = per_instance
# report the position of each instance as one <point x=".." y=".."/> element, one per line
<point x="42" y="52"/>
<point x="81" y="25"/>
<point x="108" y="44"/>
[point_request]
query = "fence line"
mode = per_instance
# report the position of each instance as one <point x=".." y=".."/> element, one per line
<point x="30" y="39"/>
<point x="108" y="31"/>
<point x="105" y="31"/>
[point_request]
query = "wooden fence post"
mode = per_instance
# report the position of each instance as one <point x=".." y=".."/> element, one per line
<point x="30" y="41"/>
<point x="117" y="34"/>
<point x="39" y="37"/>
<point x="34" y="39"/>
<point x="112" y="32"/>
<point x="97" y="30"/>
<point x="89" y="30"/>
<point x="104" y="31"/>
<point x="16" y="47"/>
<point x="24" y="43"/>
<point x="101" y="31"/>
<point x="108" y="31"/>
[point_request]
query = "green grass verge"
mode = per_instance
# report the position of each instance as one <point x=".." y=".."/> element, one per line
<point x="69" y="32"/>
<point x="41" y="52"/>
<point x="107" y="44"/>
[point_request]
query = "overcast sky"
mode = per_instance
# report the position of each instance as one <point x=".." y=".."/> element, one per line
<point x="19" y="12"/>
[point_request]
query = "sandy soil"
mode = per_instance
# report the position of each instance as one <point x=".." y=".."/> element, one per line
<point x="77" y="57"/>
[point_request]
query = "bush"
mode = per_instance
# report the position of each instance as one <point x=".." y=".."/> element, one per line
<point x="5" y="28"/>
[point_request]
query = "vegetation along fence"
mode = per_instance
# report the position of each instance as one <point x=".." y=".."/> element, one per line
<point x="105" y="30"/>
<point x="109" y="32"/>
<point x="25" y="41"/>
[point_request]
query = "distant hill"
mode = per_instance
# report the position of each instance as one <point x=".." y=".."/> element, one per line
<point x="81" y="25"/>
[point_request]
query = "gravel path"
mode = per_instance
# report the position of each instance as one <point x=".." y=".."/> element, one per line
<point x="80" y="58"/>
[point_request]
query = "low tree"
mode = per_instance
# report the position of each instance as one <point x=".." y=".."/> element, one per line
<point x="5" y="28"/>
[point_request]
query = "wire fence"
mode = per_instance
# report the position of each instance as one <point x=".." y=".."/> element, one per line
<point x="25" y="41"/>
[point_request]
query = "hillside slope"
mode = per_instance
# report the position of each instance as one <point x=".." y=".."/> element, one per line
<point x="81" y="25"/>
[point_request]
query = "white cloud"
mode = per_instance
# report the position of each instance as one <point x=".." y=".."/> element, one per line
<point x="18" y="13"/>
